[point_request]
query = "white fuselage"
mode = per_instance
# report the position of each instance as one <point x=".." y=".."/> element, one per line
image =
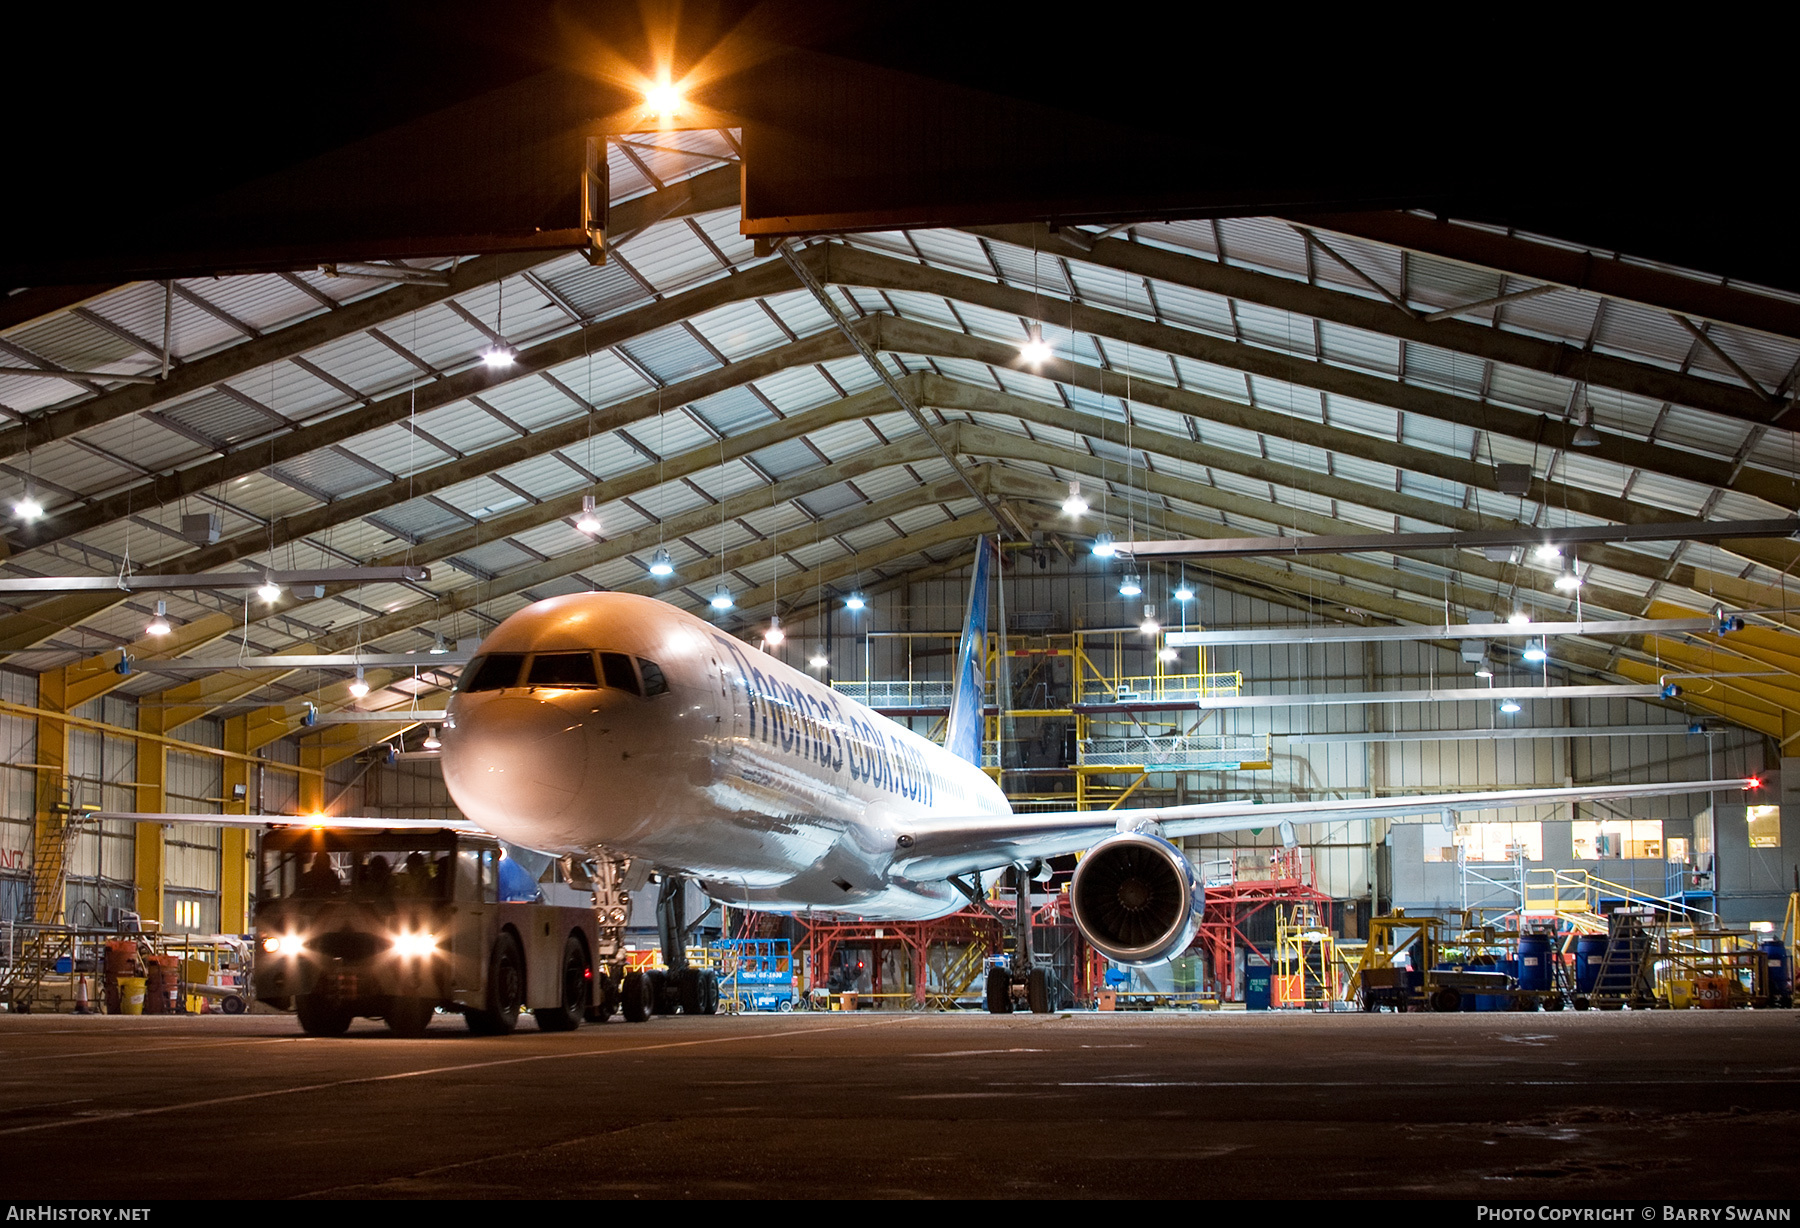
<point x="771" y="789"/>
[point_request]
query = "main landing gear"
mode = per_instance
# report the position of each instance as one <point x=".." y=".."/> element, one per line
<point x="1021" y="984"/>
<point x="684" y="988"/>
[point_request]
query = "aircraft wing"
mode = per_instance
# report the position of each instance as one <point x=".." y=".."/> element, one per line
<point x="359" y="822"/>
<point x="940" y="848"/>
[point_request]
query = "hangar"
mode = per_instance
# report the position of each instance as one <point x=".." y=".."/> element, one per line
<point x="1407" y="495"/>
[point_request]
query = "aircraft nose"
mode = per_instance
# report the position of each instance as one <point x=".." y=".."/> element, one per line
<point x="510" y="757"/>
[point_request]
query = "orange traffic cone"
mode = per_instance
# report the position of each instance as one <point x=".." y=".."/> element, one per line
<point x="81" y="996"/>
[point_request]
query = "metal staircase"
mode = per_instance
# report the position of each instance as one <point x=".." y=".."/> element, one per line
<point x="45" y="939"/>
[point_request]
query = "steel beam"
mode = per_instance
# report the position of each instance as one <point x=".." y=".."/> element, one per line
<point x="36" y="585"/>
<point x="1485" y="735"/>
<point x="1452" y="631"/>
<point x="1398" y="543"/>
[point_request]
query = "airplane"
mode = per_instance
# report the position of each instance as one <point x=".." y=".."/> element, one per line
<point x="617" y="727"/>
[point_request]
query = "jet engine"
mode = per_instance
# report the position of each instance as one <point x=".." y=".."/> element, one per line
<point x="1137" y="899"/>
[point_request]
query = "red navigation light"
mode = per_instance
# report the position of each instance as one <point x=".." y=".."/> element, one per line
<point x="1755" y="782"/>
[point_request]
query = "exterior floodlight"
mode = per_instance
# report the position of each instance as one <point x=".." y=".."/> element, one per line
<point x="1509" y="706"/>
<point x="28" y="508"/>
<point x="1549" y="550"/>
<point x="1129" y="586"/>
<point x="160" y="624"/>
<point x="359" y="687"/>
<point x="775" y="635"/>
<point x="721" y="598"/>
<point x="1104" y="546"/>
<point x="438" y="647"/>
<point x="269" y="591"/>
<point x="1149" y="626"/>
<point x="854" y="602"/>
<point x="1075" y="505"/>
<point x="499" y="357"/>
<point x="1036" y="351"/>
<point x="589" y="522"/>
<point x="819" y="660"/>
<point x="1535" y="651"/>
<point x="1184" y="593"/>
<point x="1568" y="581"/>
<point x="660" y="564"/>
<point x="431" y="741"/>
<point x="662" y="101"/>
<point x="1518" y="619"/>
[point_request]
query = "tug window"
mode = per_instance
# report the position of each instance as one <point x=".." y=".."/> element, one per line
<point x="562" y="669"/>
<point x="619" y="673"/>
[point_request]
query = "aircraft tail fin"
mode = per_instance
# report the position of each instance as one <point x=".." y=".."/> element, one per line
<point x="963" y="732"/>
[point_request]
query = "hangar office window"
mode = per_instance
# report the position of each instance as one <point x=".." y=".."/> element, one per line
<point x="1617" y="839"/>
<point x="1765" y="826"/>
<point x="619" y="673"/>
<point x="567" y="669"/>
<point x="1490" y="842"/>
<point x="492" y="672"/>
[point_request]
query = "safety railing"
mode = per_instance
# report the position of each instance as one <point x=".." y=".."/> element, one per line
<point x="1571" y="892"/>
<point x="1190" y="752"/>
<point x="1161" y="688"/>
<point x="899" y="694"/>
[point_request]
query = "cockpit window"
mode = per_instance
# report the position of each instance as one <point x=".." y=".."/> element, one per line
<point x="619" y="673"/>
<point x="654" y="683"/>
<point x="492" y="672"/>
<point x="562" y="669"/>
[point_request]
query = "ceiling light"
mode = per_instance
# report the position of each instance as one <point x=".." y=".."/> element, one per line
<point x="1129" y="586"/>
<point x="359" y="687"/>
<point x="1549" y="550"/>
<point x="1568" y="581"/>
<point x="854" y="602"/>
<point x="1184" y="593"/>
<point x="721" y="598"/>
<point x="1075" y="505"/>
<point x="660" y="564"/>
<point x="1149" y="626"/>
<point x="431" y="739"/>
<point x="589" y="522"/>
<point x="1036" y="351"/>
<point x="1535" y="651"/>
<point x="160" y="624"/>
<point x="1518" y="618"/>
<point x="1167" y="653"/>
<point x="28" y="508"/>
<point x="1509" y="706"/>
<point x="1104" y="547"/>
<point x="1585" y="435"/>
<point x="1484" y="670"/>
<point x="819" y="660"/>
<point x="438" y="647"/>
<point x="499" y="357"/>
<point x="269" y="590"/>
<point x="775" y="635"/>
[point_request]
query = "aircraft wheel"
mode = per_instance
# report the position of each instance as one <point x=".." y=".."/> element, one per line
<point x="604" y="1001"/>
<point x="634" y="997"/>
<point x="409" y="1016"/>
<point x="661" y="1001"/>
<point x="1446" y="1001"/>
<point x="321" y="1016"/>
<point x="1037" y="992"/>
<point x="709" y="992"/>
<point x="999" y="992"/>
<point x="505" y="991"/>
<point x="577" y="981"/>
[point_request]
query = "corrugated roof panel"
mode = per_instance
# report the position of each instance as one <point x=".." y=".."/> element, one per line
<point x="1659" y="490"/>
<point x="831" y="500"/>
<point x="601" y="378"/>
<point x="466" y="427"/>
<point x="263" y="301"/>
<point x="139" y="309"/>
<point x="671" y="353"/>
<point x="367" y="365"/>
<point x="885" y="482"/>
<point x="1264" y="243"/>
<point x="1566" y="315"/>
<point x="796" y="389"/>
<point x="1197" y="309"/>
<point x="739" y="330"/>
<point x="1694" y="431"/>
<point x="785" y="459"/>
<point x="953" y="249"/>
<point x="721" y="226"/>
<point x="533" y="403"/>
<point x="734" y="411"/>
<point x="219" y="417"/>
<point x="331" y="472"/>
<point x="598" y="290"/>
<point x="146" y="442"/>
<point x="671" y="257"/>
<point x="1768" y="358"/>
<point x="492" y="558"/>
<point x="1021" y="267"/>
<point x="544" y="476"/>
<point x="1217" y="381"/>
<point x="1193" y="236"/>
<point x="1378" y="260"/>
<point x="418" y="520"/>
<point x="68" y="341"/>
<point x="397" y="450"/>
<point x="1446" y="283"/>
<point x="1280" y="398"/>
<point x="72" y="467"/>
<point x="1447" y="370"/>
<point x="1628" y="328"/>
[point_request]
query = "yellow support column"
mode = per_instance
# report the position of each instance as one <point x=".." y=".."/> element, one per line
<point x="53" y="760"/>
<point x="244" y="735"/>
<point x="152" y="798"/>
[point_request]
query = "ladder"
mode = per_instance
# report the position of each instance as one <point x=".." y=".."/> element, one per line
<point x="1625" y="966"/>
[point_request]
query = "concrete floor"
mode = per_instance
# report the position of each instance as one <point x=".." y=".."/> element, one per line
<point x="1699" y="1104"/>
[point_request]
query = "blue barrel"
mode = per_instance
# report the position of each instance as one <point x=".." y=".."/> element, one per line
<point x="1780" y="975"/>
<point x="1590" y="955"/>
<point x="1534" y="961"/>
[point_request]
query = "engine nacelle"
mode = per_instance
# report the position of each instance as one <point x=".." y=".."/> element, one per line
<point x="1137" y="899"/>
